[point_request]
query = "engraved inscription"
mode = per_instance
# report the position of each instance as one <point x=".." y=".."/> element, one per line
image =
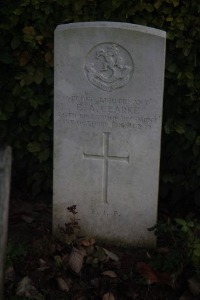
<point x="109" y="66"/>
<point x="107" y="113"/>
<point x="105" y="157"/>
<point x="104" y="212"/>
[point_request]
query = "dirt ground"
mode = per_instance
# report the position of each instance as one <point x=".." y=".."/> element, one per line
<point x="41" y="264"/>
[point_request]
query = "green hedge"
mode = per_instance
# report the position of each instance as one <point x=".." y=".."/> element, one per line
<point x="26" y="61"/>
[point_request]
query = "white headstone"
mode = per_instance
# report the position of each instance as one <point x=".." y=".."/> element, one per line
<point x="107" y="128"/>
<point x="5" y="170"/>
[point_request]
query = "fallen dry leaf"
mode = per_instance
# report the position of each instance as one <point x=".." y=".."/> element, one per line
<point x="111" y="274"/>
<point x="163" y="250"/>
<point x="70" y="238"/>
<point x="76" y="259"/>
<point x="40" y="206"/>
<point x="148" y="255"/>
<point x="9" y="274"/>
<point x="92" y="242"/>
<point x="87" y="243"/>
<point x="147" y="272"/>
<point x="42" y="262"/>
<point x="186" y="296"/>
<point x="165" y="278"/>
<point x="65" y="259"/>
<point x="43" y="265"/>
<point x="64" y="284"/>
<point x="27" y="219"/>
<point x="153" y="276"/>
<point x="108" y="296"/>
<point x="25" y="288"/>
<point x="194" y="285"/>
<point x="58" y="260"/>
<point x="111" y="255"/>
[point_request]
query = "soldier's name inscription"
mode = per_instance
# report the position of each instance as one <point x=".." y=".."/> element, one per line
<point x="102" y="112"/>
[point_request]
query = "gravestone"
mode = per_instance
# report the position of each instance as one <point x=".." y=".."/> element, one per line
<point x="109" y="81"/>
<point x="5" y="170"/>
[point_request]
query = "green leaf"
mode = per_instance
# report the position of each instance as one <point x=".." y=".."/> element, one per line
<point x="25" y="3"/>
<point x="6" y="58"/>
<point x="195" y="150"/>
<point x="44" y="155"/>
<point x="172" y="89"/>
<point x="49" y="76"/>
<point x="116" y="3"/>
<point x="171" y="68"/>
<point x="15" y="42"/>
<point x="149" y="7"/>
<point x="170" y="35"/>
<point x="34" y="103"/>
<point x="181" y="26"/>
<point x="26" y="93"/>
<point x="44" y="118"/>
<point x="49" y="58"/>
<point x="198" y="172"/>
<point x="176" y="3"/>
<point x="78" y="5"/>
<point x="38" y="100"/>
<point x="190" y="224"/>
<point x="181" y="222"/>
<point x="10" y="107"/>
<point x="167" y="128"/>
<point x="168" y="178"/>
<point x="197" y="253"/>
<point x="169" y="19"/>
<point x="186" y="51"/>
<point x="180" y="43"/>
<point x="189" y="75"/>
<point x="197" y="142"/>
<point x="33" y="119"/>
<point x="29" y="31"/>
<point x="190" y="134"/>
<point x="167" y="10"/>
<point x="33" y="147"/>
<point x="58" y="260"/>
<point x="18" y="11"/>
<point x="38" y="76"/>
<point x="180" y="128"/>
<point x="180" y="75"/>
<point x="44" y="137"/>
<point x="157" y="4"/>
<point x="2" y="116"/>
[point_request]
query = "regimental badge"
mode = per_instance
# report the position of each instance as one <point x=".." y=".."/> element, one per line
<point x="109" y="66"/>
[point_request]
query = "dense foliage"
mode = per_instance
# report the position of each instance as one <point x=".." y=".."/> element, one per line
<point x="26" y="60"/>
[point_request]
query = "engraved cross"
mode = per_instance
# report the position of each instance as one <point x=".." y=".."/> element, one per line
<point x="105" y="157"/>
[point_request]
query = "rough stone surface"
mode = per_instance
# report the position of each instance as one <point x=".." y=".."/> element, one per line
<point x="107" y="128"/>
<point x="5" y="169"/>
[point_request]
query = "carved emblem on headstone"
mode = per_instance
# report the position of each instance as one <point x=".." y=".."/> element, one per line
<point x="109" y="66"/>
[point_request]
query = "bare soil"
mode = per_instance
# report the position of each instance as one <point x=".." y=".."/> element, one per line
<point x="35" y="254"/>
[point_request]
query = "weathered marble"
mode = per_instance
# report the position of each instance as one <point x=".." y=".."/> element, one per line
<point x="5" y="170"/>
<point x="107" y="128"/>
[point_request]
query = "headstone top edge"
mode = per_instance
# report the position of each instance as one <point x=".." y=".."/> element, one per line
<point x="114" y="25"/>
